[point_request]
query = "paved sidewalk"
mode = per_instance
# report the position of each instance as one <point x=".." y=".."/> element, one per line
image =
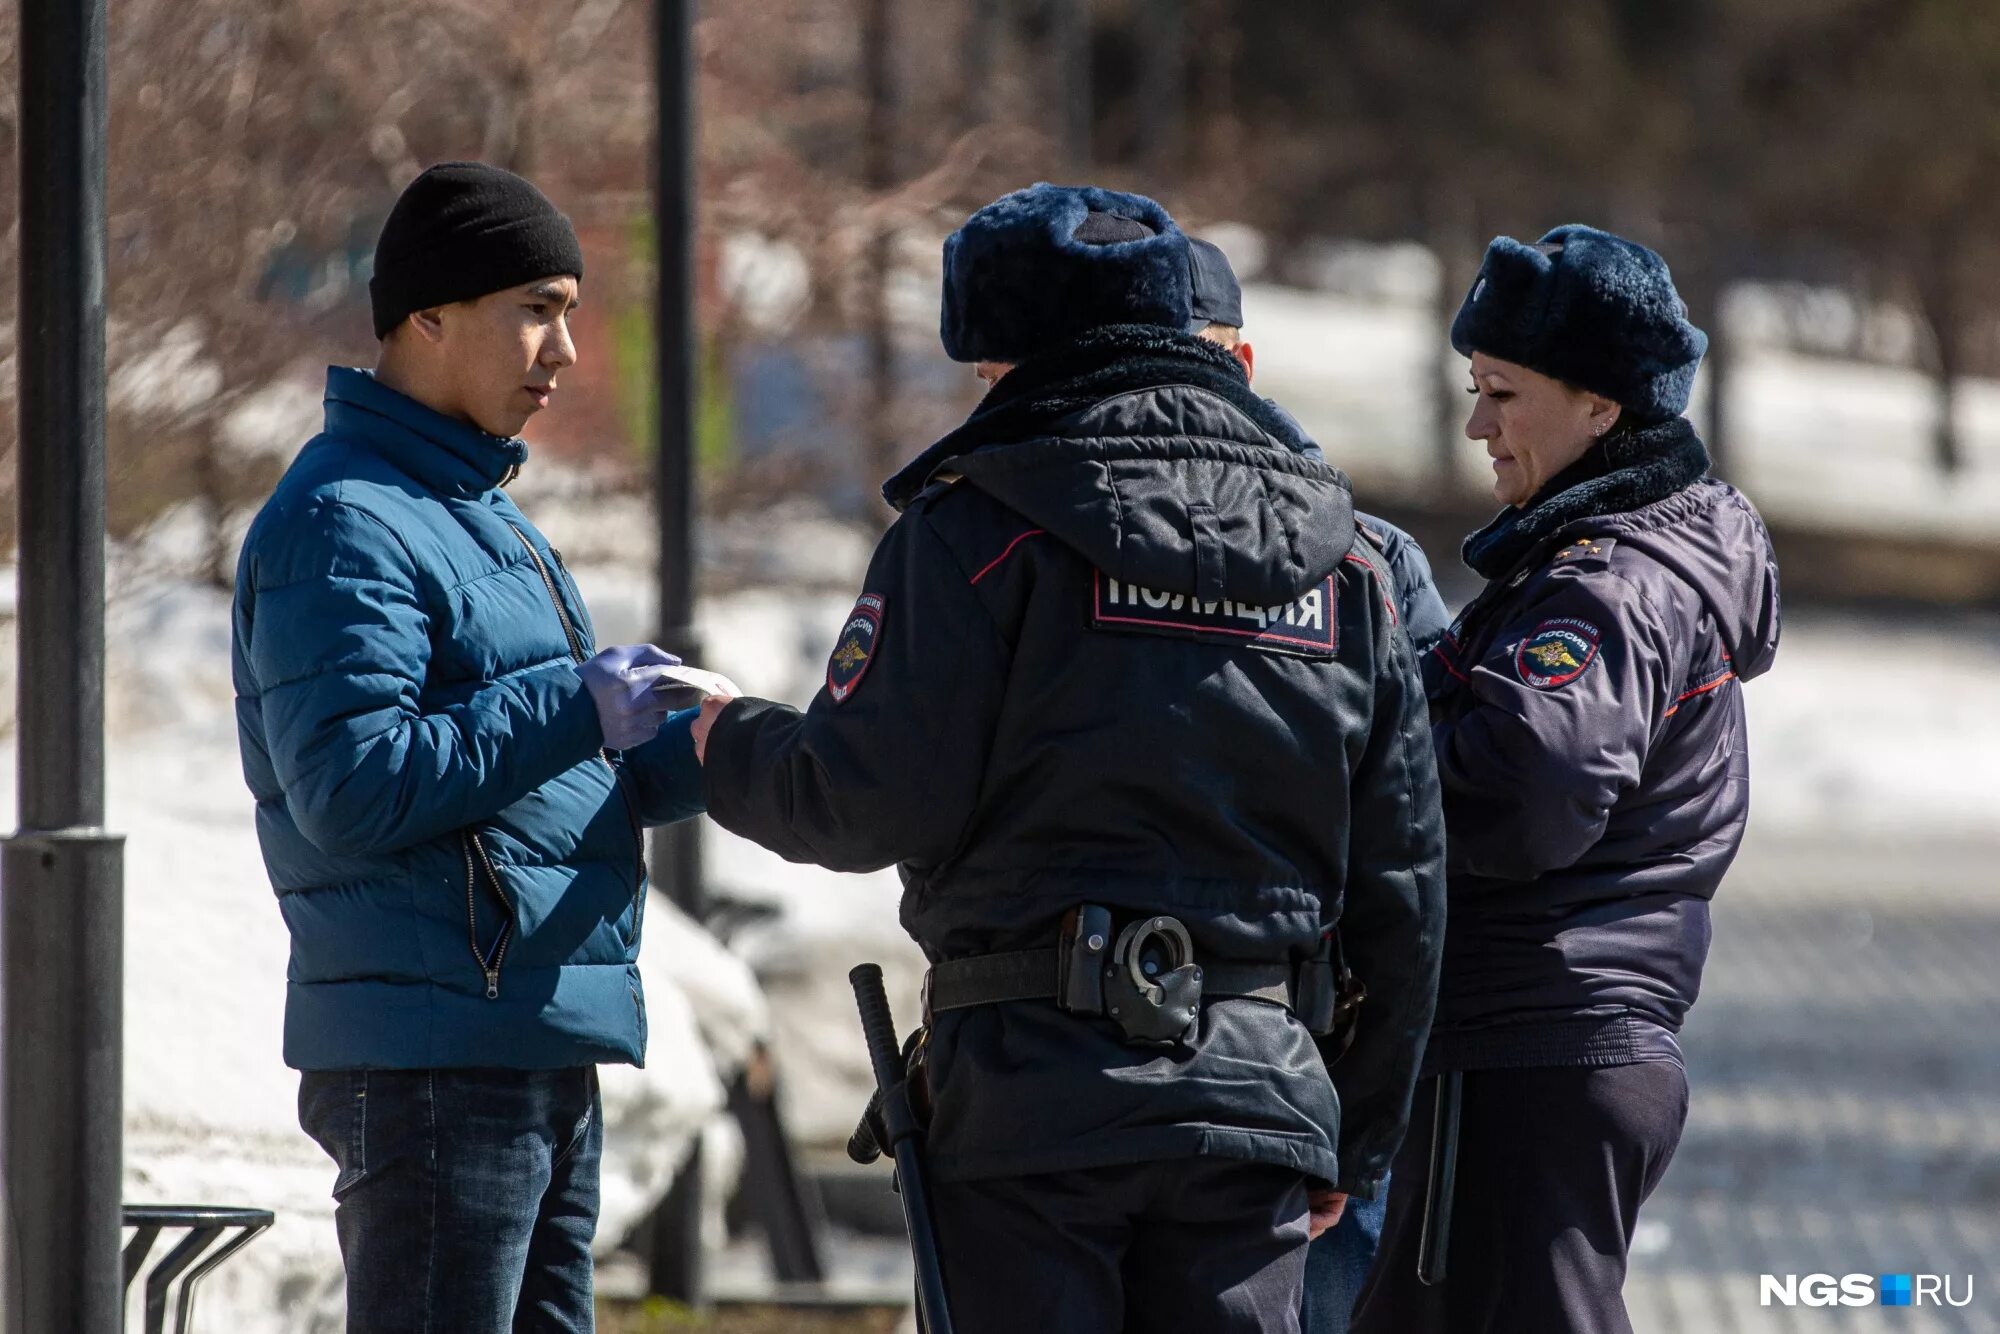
<point x="1845" y="1062"/>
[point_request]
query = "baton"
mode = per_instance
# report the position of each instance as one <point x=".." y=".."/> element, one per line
<point x="905" y="1142"/>
<point x="1434" y="1249"/>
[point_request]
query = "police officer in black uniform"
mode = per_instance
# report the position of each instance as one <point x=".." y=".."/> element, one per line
<point x="1132" y="711"/>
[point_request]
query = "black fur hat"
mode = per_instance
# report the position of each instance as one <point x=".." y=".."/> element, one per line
<point x="1047" y="263"/>
<point x="1589" y="308"/>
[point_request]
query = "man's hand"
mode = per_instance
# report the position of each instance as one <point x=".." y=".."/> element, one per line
<point x="621" y="682"/>
<point x="1326" y="1206"/>
<point x="711" y="707"/>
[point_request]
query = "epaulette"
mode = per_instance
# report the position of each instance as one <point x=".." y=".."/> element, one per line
<point x="1593" y="552"/>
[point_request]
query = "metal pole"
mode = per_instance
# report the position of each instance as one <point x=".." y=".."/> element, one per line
<point x="677" y="848"/>
<point x="676" y="1260"/>
<point x="61" y="874"/>
<point x="878" y="169"/>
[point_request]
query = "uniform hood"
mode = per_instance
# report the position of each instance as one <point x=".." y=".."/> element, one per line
<point x="1713" y="539"/>
<point x="1145" y="451"/>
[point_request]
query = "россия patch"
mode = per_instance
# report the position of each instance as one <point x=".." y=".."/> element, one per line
<point x="855" y="648"/>
<point x="1557" y="652"/>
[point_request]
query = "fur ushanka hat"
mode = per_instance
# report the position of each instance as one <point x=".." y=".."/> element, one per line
<point x="1589" y="308"/>
<point x="1044" y="264"/>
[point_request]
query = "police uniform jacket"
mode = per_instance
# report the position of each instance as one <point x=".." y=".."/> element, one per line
<point x="1122" y="648"/>
<point x="1588" y="717"/>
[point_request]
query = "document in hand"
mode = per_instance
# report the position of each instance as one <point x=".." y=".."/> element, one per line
<point x="708" y="683"/>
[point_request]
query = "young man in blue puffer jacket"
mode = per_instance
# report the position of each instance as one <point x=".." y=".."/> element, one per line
<point x="452" y="785"/>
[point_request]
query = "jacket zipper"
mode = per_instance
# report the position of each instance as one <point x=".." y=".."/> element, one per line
<point x="617" y="779"/>
<point x="489" y="961"/>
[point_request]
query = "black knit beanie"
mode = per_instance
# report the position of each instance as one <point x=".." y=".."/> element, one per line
<point x="463" y="230"/>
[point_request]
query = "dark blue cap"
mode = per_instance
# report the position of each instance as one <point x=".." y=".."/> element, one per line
<point x="1218" y="297"/>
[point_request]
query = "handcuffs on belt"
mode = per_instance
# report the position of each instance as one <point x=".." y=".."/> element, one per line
<point x="1147" y="981"/>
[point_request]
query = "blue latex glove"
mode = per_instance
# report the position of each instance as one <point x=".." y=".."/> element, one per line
<point x="622" y="682"/>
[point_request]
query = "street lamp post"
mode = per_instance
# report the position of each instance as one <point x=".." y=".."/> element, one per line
<point x="675" y="1263"/>
<point x="61" y="874"/>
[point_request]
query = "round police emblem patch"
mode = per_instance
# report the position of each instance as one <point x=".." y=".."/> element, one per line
<point x="856" y="647"/>
<point x="1557" y="652"/>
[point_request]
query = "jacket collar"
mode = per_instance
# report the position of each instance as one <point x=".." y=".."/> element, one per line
<point x="449" y="456"/>
<point x="1043" y="396"/>
<point x="1628" y="471"/>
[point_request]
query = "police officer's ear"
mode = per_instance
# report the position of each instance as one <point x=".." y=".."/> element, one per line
<point x="1603" y="416"/>
<point x="1248" y="356"/>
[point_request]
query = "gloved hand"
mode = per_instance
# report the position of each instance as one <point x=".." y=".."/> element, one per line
<point x="621" y="682"/>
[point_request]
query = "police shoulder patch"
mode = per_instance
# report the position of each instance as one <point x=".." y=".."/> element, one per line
<point x="1557" y="652"/>
<point x="855" y="648"/>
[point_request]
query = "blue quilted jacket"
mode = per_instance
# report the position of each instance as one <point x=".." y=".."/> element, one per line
<point x="458" y="860"/>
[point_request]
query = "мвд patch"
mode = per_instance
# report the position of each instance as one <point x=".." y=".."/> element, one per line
<point x="1304" y="627"/>
<point x="855" y="648"/>
<point x="1557" y="652"/>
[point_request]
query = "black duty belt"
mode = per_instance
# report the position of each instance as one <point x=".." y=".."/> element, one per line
<point x="1145" y="978"/>
<point x="1026" y="975"/>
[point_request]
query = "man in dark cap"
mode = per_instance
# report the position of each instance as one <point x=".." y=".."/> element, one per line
<point x="1341" y="1257"/>
<point x="451" y="785"/>
<point x="1130" y="709"/>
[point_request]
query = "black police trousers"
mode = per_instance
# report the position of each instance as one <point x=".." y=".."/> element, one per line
<point x="1553" y="1164"/>
<point x="1208" y="1244"/>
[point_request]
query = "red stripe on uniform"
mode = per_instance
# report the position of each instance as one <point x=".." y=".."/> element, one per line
<point x="1439" y="650"/>
<point x="1032" y="532"/>
<point x="1700" y="690"/>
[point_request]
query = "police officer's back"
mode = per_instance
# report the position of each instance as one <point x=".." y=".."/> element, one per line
<point x="1130" y="707"/>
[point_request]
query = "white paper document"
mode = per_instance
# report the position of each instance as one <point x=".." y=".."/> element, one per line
<point x="708" y="683"/>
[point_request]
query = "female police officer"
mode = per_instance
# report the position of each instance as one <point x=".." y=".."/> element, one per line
<point x="1587" y="711"/>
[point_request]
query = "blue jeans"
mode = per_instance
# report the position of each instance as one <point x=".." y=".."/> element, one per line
<point x="1339" y="1261"/>
<point x="467" y="1198"/>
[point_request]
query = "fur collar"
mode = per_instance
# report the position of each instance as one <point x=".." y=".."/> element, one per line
<point x="1034" y="398"/>
<point x="1630" y="470"/>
